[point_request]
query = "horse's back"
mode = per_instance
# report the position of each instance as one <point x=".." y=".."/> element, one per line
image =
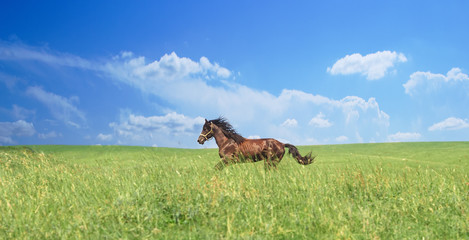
<point x="263" y="146"/>
<point x="259" y="140"/>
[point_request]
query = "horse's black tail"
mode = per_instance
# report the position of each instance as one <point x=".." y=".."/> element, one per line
<point x="307" y="159"/>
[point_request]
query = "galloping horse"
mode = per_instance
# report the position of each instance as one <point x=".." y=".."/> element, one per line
<point x="234" y="148"/>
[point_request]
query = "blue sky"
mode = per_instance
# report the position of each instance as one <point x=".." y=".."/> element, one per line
<point x="305" y="72"/>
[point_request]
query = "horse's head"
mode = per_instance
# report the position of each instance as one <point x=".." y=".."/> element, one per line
<point x="207" y="132"/>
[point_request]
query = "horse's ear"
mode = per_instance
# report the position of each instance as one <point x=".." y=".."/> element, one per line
<point x="206" y="120"/>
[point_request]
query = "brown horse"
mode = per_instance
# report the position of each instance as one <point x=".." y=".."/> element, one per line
<point x="234" y="148"/>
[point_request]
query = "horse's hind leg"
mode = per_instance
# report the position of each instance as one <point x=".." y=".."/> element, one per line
<point x="279" y="155"/>
<point x="271" y="161"/>
<point x="270" y="164"/>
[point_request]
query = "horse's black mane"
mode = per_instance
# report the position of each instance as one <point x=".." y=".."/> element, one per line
<point x="228" y="130"/>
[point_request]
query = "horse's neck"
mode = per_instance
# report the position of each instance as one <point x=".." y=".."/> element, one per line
<point x="220" y="137"/>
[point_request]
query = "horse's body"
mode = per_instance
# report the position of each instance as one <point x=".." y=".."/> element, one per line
<point x="234" y="148"/>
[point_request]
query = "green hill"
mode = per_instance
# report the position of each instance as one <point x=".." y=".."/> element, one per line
<point x="384" y="191"/>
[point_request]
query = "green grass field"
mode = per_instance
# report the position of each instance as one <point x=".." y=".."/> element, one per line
<point x="357" y="191"/>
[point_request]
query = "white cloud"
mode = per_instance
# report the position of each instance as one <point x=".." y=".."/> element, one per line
<point x="170" y="67"/>
<point x="209" y="67"/>
<point x="173" y="122"/>
<point x="243" y="105"/>
<point x="254" y="137"/>
<point x="136" y="129"/>
<point x="21" y="52"/>
<point x="351" y="106"/>
<point x="18" y="112"/>
<point x="428" y="82"/>
<point x="404" y="137"/>
<point x="203" y="87"/>
<point x="6" y="140"/>
<point x="22" y="113"/>
<point x="290" y="123"/>
<point x="8" y="130"/>
<point x="60" y="107"/>
<point x="51" y="134"/>
<point x="451" y="123"/>
<point x="125" y="54"/>
<point x="104" y="137"/>
<point x="183" y="82"/>
<point x="352" y="116"/>
<point x="374" y="65"/>
<point x="8" y="80"/>
<point x="341" y="139"/>
<point x="319" y="121"/>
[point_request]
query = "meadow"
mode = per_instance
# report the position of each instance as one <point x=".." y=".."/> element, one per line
<point x="355" y="191"/>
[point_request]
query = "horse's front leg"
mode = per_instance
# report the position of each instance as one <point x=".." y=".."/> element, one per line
<point x="221" y="164"/>
<point x="225" y="161"/>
